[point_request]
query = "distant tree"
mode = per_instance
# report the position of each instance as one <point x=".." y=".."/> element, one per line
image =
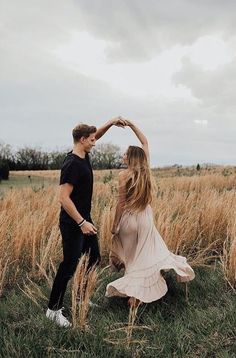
<point x="7" y="155"/>
<point x="31" y="159"/>
<point x="56" y="159"/>
<point x="198" y="167"/>
<point x="106" y="156"/>
<point x="4" y="170"/>
<point x="5" y="151"/>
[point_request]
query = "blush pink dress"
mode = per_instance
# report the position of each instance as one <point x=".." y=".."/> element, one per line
<point x="140" y="250"/>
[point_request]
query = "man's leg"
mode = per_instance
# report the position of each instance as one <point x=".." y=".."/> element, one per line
<point x="72" y="241"/>
<point x="91" y="247"/>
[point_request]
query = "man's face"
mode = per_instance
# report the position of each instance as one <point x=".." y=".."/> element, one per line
<point x="88" y="143"/>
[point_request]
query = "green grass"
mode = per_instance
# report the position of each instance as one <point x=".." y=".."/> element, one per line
<point x="21" y="181"/>
<point x="202" y="327"/>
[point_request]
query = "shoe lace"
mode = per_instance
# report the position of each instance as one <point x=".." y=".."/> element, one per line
<point x="63" y="318"/>
<point x="60" y="310"/>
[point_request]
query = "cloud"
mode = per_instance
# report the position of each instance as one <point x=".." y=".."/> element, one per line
<point x="149" y="71"/>
<point x="141" y="29"/>
<point x="136" y="30"/>
<point x="214" y="89"/>
<point x="87" y="55"/>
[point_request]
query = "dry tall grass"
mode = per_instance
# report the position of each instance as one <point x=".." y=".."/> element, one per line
<point x="228" y="257"/>
<point x="83" y="285"/>
<point x="195" y="216"/>
<point x="3" y="271"/>
<point x="29" y="235"/>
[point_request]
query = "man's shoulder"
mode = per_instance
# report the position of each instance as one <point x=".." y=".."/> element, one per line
<point x="73" y="161"/>
<point x="69" y="158"/>
<point x="69" y="162"/>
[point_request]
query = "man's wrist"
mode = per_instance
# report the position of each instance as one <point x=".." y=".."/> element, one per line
<point x="81" y="223"/>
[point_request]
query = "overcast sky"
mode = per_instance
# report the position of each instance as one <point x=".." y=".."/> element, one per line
<point x="170" y="66"/>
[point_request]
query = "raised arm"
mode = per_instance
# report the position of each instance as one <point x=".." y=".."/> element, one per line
<point x="141" y="137"/>
<point x="117" y="121"/>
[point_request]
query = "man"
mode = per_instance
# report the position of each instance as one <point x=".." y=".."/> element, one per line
<point x="79" y="235"/>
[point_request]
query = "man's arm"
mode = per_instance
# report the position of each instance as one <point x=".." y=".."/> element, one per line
<point x="68" y="205"/>
<point x="118" y="121"/>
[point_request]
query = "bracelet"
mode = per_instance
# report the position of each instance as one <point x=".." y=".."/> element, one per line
<point x="82" y="222"/>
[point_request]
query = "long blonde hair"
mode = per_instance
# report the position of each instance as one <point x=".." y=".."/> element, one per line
<point x="138" y="187"/>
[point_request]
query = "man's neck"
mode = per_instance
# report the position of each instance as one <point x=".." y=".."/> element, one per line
<point x="78" y="150"/>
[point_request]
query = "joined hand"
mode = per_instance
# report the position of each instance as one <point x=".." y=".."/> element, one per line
<point x="121" y="122"/>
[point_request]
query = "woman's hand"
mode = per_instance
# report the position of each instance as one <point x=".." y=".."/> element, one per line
<point x="128" y="123"/>
<point x="114" y="230"/>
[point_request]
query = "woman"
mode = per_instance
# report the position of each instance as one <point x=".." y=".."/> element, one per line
<point x="136" y="244"/>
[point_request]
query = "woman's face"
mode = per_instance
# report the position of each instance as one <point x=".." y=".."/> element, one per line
<point x="125" y="159"/>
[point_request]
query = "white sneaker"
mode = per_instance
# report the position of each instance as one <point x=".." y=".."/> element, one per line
<point x="58" y="317"/>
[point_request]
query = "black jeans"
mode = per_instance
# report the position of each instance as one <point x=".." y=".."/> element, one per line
<point x="74" y="243"/>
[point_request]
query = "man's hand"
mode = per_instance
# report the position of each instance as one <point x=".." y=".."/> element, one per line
<point x="88" y="229"/>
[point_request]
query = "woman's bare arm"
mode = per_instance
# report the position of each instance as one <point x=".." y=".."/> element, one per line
<point x="141" y="137"/>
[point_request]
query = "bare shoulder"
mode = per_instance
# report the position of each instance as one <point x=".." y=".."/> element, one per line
<point x="122" y="172"/>
<point x="122" y="175"/>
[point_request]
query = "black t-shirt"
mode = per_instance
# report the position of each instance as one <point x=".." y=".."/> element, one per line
<point x="78" y="172"/>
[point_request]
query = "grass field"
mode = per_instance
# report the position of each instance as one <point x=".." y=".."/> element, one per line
<point x="195" y="215"/>
<point x="203" y="326"/>
<point x="21" y="181"/>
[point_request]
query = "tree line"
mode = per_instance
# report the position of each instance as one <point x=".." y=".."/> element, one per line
<point x="103" y="156"/>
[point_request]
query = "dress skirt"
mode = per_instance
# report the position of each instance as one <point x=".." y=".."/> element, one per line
<point x="140" y="250"/>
